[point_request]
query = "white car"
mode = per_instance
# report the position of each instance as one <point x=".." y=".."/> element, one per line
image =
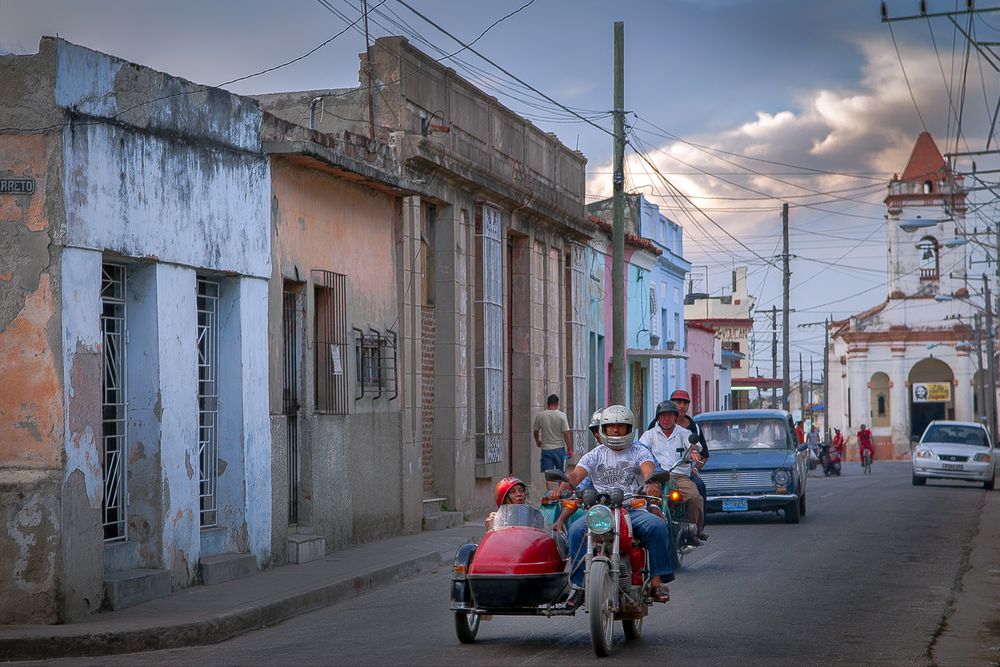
<point x="955" y="450"/>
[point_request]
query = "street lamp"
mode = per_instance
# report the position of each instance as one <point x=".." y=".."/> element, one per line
<point x="918" y="223"/>
<point x="954" y="243"/>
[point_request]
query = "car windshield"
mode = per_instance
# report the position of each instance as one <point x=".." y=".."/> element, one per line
<point x="955" y="434"/>
<point x="510" y="516"/>
<point x="761" y="433"/>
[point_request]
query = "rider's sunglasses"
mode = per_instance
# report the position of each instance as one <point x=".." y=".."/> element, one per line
<point x="681" y="400"/>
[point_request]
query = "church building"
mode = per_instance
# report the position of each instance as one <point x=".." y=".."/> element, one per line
<point x="912" y="358"/>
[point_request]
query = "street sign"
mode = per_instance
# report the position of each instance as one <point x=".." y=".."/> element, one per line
<point x="17" y="186"/>
<point x="931" y="392"/>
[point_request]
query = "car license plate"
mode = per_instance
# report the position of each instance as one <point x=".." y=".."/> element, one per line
<point x="734" y="505"/>
<point x="953" y="466"/>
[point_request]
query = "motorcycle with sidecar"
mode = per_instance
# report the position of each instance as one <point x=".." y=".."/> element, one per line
<point x="522" y="567"/>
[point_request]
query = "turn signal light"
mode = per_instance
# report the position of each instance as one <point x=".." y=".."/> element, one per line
<point x="570" y="504"/>
<point x="675" y="496"/>
<point x="459" y="569"/>
<point x="637" y="502"/>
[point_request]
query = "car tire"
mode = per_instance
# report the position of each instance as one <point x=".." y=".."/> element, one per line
<point x="919" y="481"/>
<point x="792" y="514"/>
<point x="990" y="483"/>
<point x="466" y="626"/>
<point x="802" y="505"/>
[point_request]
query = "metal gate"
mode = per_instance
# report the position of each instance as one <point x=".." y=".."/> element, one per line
<point x="113" y="402"/>
<point x="489" y="366"/>
<point x="291" y="399"/>
<point x="208" y="399"/>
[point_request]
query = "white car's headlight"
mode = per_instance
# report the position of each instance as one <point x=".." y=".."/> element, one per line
<point x="781" y="477"/>
<point x="982" y="458"/>
<point x="599" y="519"/>
<point x="925" y="454"/>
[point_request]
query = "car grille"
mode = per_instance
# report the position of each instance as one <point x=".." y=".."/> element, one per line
<point x="953" y="457"/>
<point x="738" y="480"/>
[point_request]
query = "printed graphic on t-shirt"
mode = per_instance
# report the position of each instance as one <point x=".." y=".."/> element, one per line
<point x="623" y="474"/>
<point x="610" y="469"/>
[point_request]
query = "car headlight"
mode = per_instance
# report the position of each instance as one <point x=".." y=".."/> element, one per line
<point x="925" y="454"/>
<point x="599" y="519"/>
<point x="781" y="477"/>
<point x="982" y="458"/>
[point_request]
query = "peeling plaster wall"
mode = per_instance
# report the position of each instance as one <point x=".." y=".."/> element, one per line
<point x="322" y="222"/>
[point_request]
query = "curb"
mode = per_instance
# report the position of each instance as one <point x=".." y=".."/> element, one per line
<point x="220" y="628"/>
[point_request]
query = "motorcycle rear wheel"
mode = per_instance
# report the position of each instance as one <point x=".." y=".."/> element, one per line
<point x="599" y="607"/>
<point x="466" y="626"/>
<point x="632" y="628"/>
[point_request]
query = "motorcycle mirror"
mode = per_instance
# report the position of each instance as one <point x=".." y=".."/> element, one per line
<point x="659" y="477"/>
<point x="556" y="475"/>
<point x="693" y="439"/>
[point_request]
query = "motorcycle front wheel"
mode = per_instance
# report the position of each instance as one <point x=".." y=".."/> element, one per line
<point x="466" y="626"/>
<point x="600" y="607"/>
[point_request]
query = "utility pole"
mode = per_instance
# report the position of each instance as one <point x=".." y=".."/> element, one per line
<point x="991" y="359"/>
<point x="785" y="372"/>
<point x="618" y="230"/>
<point x="774" y="354"/>
<point x="802" y="390"/>
<point x="826" y="382"/>
<point x="980" y="394"/>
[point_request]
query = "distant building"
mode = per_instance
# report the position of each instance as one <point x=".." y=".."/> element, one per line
<point x="910" y="359"/>
<point x="656" y="345"/>
<point x="731" y="317"/>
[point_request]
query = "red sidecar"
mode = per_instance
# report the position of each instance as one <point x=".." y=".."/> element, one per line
<point x="520" y="567"/>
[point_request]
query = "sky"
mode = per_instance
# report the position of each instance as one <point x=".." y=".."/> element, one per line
<point x="734" y="106"/>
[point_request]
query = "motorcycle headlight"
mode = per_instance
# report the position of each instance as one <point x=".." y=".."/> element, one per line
<point x="925" y="454"/>
<point x="781" y="477"/>
<point x="599" y="519"/>
<point x="982" y="458"/>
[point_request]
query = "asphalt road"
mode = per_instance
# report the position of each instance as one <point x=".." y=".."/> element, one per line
<point x="866" y="578"/>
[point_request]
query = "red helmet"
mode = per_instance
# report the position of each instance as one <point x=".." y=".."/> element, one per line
<point x="680" y="394"/>
<point x="505" y="485"/>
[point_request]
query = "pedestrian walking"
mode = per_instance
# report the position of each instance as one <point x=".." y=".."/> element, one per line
<point x="552" y="436"/>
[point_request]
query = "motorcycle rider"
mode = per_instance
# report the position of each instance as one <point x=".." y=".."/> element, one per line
<point x="509" y="491"/>
<point x="682" y="400"/>
<point x="865" y="442"/>
<point x="619" y="462"/>
<point x="669" y="442"/>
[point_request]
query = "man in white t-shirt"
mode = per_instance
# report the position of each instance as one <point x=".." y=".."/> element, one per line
<point x="619" y="463"/>
<point x="669" y="442"/>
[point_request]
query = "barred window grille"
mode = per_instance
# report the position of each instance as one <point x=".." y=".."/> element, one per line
<point x="330" y="298"/>
<point x="375" y="364"/>
<point x="208" y="400"/>
<point x="490" y="335"/>
<point x="113" y="402"/>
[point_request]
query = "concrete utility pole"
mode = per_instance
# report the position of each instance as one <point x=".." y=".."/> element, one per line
<point x="368" y="70"/>
<point x="785" y="371"/>
<point x="618" y="230"/>
<point x="980" y="393"/>
<point x="991" y="358"/>
<point x="802" y="389"/>
<point x="774" y="354"/>
<point x="826" y="381"/>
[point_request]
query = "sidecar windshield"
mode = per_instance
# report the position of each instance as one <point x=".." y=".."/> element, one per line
<point x="509" y="516"/>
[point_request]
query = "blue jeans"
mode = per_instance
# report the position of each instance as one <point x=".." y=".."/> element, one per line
<point x="553" y="459"/>
<point x="653" y="532"/>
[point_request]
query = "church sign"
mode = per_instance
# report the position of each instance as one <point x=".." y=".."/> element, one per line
<point x="931" y="392"/>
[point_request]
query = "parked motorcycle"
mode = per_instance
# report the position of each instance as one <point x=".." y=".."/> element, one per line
<point x="521" y="567"/>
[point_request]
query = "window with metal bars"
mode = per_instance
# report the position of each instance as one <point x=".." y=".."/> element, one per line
<point x="375" y="364"/>
<point x="330" y="299"/>
<point x="208" y="400"/>
<point x="113" y="403"/>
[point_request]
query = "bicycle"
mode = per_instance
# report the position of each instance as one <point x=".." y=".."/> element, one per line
<point x="866" y="462"/>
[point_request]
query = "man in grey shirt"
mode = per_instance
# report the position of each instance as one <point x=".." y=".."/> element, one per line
<point x="552" y="436"/>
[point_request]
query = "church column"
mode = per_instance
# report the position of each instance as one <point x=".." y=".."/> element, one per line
<point x="963" y="369"/>
<point x="899" y="398"/>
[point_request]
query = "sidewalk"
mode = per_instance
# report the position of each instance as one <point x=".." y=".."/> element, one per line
<point x="971" y="631"/>
<point x="209" y="614"/>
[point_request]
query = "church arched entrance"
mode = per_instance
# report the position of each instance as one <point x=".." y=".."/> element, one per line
<point x="931" y="397"/>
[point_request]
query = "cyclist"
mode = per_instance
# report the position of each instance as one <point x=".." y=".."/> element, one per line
<point x="866" y="450"/>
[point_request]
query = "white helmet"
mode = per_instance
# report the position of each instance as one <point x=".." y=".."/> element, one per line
<point x="617" y="414"/>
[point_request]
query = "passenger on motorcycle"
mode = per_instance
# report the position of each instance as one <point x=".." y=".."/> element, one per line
<point x="509" y="491"/>
<point x="682" y="400"/>
<point x="619" y="463"/>
<point x="669" y="442"/>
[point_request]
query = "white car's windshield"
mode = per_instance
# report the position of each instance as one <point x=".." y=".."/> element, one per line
<point x="509" y="516"/>
<point x="729" y="434"/>
<point x="956" y="434"/>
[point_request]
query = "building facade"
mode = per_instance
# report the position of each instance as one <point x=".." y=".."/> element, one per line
<point x="911" y="359"/>
<point x="136" y="442"/>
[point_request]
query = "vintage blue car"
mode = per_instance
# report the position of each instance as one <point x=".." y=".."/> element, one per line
<point x="755" y="463"/>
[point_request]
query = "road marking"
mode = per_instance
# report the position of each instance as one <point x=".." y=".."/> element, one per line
<point x="827" y="495"/>
<point x="707" y="559"/>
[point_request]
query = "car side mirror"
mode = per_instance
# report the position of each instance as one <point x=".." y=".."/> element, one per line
<point x="801" y="448"/>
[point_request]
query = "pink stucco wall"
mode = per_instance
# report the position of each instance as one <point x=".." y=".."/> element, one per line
<point x="700" y="349"/>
